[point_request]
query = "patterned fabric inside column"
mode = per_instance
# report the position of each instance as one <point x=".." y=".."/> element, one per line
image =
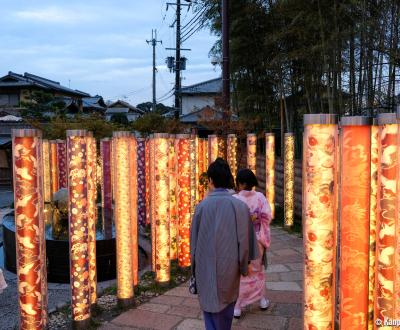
<point x="29" y="228"/>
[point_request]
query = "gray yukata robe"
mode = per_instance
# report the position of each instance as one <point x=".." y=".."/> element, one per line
<point x="222" y="242"/>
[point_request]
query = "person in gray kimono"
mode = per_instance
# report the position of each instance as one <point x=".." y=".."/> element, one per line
<point x="222" y="243"/>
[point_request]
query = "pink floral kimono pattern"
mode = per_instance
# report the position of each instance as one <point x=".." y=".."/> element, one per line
<point x="252" y="287"/>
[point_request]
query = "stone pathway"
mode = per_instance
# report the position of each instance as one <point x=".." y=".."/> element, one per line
<point x="178" y="309"/>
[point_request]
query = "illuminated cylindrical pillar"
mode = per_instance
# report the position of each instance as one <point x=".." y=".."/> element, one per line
<point x="319" y="219"/>
<point x="184" y="199"/>
<point x="134" y="207"/>
<point x="46" y="171"/>
<point x="106" y="187"/>
<point x="173" y="205"/>
<point x="354" y="199"/>
<point x="152" y="202"/>
<point x="289" y="179"/>
<point x="141" y="178"/>
<point x="122" y="217"/>
<point x="373" y="212"/>
<point x="91" y="166"/>
<point x="193" y="174"/>
<point x="77" y="162"/>
<point x="232" y="146"/>
<point x="270" y="170"/>
<point x="252" y="152"/>
<point x="29" y="228"/>
<point x="212" y="148"/>
<point x="53" y="167"/>
<point x="62" y="163"/>
<point x="221" y="147"/>
<point x="161" y="212"/>
<point x="386" y="280"/>
<point x="147" y="171"/>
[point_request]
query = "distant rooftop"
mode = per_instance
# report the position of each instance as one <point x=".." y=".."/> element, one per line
<point x="123" y="104"/>
<point x="213" y="86"/>
<point x="13" y="79"/>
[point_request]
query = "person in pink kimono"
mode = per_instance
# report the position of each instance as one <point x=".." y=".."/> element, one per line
<point x="252" y="287"/>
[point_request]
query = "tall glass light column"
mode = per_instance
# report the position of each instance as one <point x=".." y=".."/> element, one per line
<point x="373" y="213"/>
<point x="319" y="219"/>
<point x="173" y="205"/>
<point x="91" y="167"/>
<point x="354" y="199"/>
<point x="106" y="186"/>
<point x="46" y="171"/>
<point x="289" y="179"/>
<point x="232" y="145"/>
<point x="53" y="167"/>
<point x="77" y="162"/>
<point x="147" y="170"/>
<point x="184" y="200"/>
<point x="193" y="173"/>
<point x="62" y="163"/>
<point x="161" y="211"/>
<point x="29" y="228"/>
<point x="122" y="217"/>
<point x="386" y="285"/>
<point x="270" y="170"/>
<point x="212" y="148"/>
<point x="141" y="179"/>
<point x="152" y="201"/>
<point x="133" y="191"/>
<point x="252" y="152"/>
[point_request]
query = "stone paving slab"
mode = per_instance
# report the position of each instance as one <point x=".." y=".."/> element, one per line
<point x="178" y="309"/>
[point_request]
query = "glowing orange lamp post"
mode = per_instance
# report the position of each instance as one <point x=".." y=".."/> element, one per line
<point x="161" y="207"/>
<point x="355" y="144"/>
<point x="319" y="219"/>
<point x="53" y="167"/>
<point x="252" y="152"/>
<point x="184" y="199"/>
<point x="106" y="187"/>
<point x="46" y="171"/>
<point x="122" y="216"/>
<point x="133" y="191"/>
<point x="289" y="179"/>
<point x="29" y="228"/>
<point x="270" y="170"/>
<point x="193" y="173"/>
<point x="373" y="212"/>
<point x="91" y="167"/>
<point x="212" y="148"/>
<point x="386" y="281"/>
<point x="173" y="205"/>
<point x="231" y="156"/>
<point x="77" y="162"/>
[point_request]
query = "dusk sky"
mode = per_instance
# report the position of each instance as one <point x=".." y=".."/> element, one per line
<point x="99" y="46"/>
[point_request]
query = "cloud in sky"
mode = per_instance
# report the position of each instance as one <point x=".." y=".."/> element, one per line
<point x="99" y="46"/>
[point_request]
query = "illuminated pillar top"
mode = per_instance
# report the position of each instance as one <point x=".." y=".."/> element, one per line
<point x="122" y="134"/>
<point x="355" y="121"/>
<point x="26" y="132"/>
<point x="160" y="135"/>
<point x="182" y="136"/>
<point x="77" y="132"/>
<point x="320" y="119"/>
<point x="386" y="118"/>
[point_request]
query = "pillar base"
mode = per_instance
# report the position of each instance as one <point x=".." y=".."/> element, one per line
<point x="126" y="302"/>
<point x="184" y="269"/>
<point x="163" y="284"/>
<point x="81" y="325"/>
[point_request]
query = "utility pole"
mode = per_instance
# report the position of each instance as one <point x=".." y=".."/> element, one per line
<point x="154" y="42"/>
<point x="178" y="64"/>
<point x="178" y="61"/>
<point x="225" y="61"/>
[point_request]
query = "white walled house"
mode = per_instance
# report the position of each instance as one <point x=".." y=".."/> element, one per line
<point x="200" y="95"/>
